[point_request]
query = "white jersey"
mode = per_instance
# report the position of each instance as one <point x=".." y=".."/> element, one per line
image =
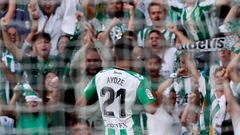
<point x="118" y="90"/>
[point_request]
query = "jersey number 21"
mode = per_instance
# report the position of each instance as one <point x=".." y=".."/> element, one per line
<point x="121" y="93"/>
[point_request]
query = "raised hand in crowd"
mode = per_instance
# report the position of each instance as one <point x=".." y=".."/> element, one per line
<point x="181" y="38"/>
<point x="104" y="36"/>
<point x="10" y="46"/>
<point x="130" y="9"/>
<point x="233" y="104"/>
<point x="6" y="20"/>
<point x="232" y="68"/>
<point x="89" y="38"/>
<point x="79" y="15"/>
<point x="233" y="13"/>
<point x="188" y="64"/>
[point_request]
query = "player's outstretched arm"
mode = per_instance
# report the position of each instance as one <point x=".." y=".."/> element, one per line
<point x="146" y="97"/>
<point x="81" y="102"/>
<point x="89" y="95"/>
<point x="84" y="101"/>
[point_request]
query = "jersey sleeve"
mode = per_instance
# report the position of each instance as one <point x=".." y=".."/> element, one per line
<point x="90" y="92"/>
<point x="144" y="94"/>
<point x="176" y="6"/>
<point x="207" y="4"/>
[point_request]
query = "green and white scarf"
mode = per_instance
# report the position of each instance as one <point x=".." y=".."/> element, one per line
<point x="214" y="44"/>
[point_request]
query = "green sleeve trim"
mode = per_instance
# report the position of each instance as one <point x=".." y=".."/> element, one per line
<point x="206" y="8"/>
<point x="144" y="93"/>
<point x="123" y="132"/>
<point x="111" y="131"/>
<point x="90" y="92"/>
<point x="178" y="10"/>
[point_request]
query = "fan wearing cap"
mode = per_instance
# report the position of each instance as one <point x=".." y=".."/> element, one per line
<point x="29" y="119"/>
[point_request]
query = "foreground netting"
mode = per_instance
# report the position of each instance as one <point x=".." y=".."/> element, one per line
<point x="185" y="53"/>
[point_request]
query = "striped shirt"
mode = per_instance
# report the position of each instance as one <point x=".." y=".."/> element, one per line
<point x="5" y="85"/>
<point x="218" y="111"/>
<point x="194" y="19"/>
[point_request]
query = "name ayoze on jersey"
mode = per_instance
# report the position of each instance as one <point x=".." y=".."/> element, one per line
<point x="115" y="80"/>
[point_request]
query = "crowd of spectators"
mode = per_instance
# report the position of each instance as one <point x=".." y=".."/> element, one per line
<point x="51" y="49"/>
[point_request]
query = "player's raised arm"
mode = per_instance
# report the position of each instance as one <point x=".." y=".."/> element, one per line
<point x="89" y="95"/>
<point x="146" y="97"/>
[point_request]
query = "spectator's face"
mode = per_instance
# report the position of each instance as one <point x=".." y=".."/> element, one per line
<point x="153" y="67"/>
<point x="81" y="129"/>
<point x="33" y="105"/>
<point x="191" y="118"/>
<point x="112" y="4"/>
<point x="12" y="34"/>
<point x="119" y="6"/>
<point x="48" y="6"/>
<point x="224" y="56"/>
<point x="153" y="42"/>
<point x="51" y="80"/>
<point x="93" y="62"/>
<point x="52" y="86"/>
<point x="217" y="78"/>
<point x="156" y="13"/>
<point x="42" y="47"/>
<point x="62" y="44"/>
<point x="219" y="90"/>
<point x="190" y="2"/>
<point x="115" y="8"/>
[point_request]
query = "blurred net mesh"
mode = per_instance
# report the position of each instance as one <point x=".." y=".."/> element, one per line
<point x="61" y="107"/>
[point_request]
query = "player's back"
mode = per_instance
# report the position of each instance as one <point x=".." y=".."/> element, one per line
<point x="118" y="91"/>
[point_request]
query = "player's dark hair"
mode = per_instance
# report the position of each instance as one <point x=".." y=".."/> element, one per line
<point x="130" y="34"/>
<point x="123" y="49"/>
